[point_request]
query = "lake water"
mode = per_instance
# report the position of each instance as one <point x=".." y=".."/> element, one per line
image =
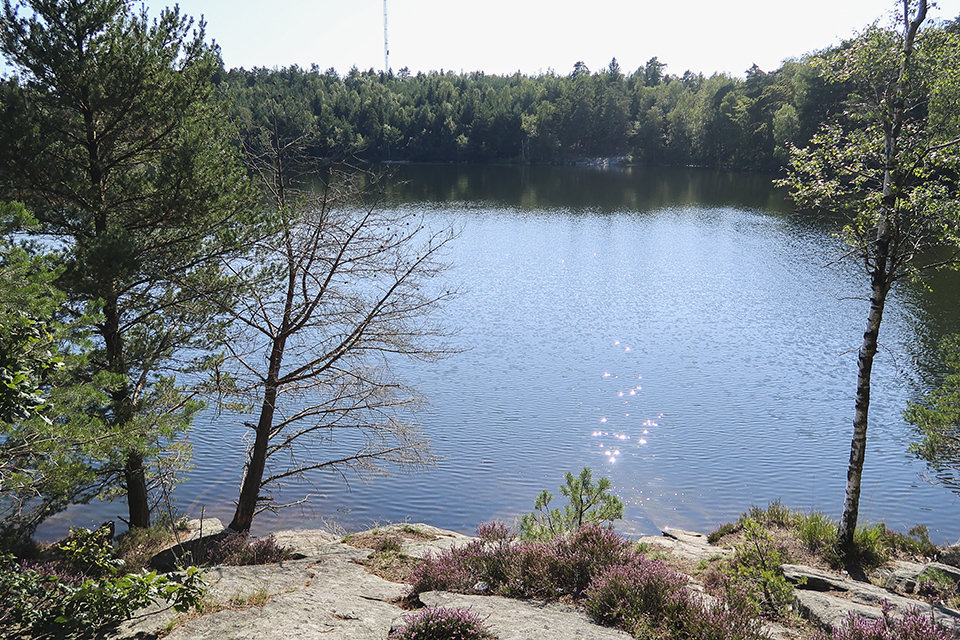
<point x="682" y="332"/>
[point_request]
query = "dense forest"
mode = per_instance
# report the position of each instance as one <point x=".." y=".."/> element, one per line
<point x="651" y="116"/>
<point x="648" y="115"/>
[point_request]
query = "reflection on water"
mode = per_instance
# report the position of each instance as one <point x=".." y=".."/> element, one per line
<point x="678" y="331"/>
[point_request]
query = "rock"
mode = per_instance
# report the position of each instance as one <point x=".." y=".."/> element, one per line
<point x="306" y="543"/>
<point x="829" y="611"/>
<point x="525" y="619"/>
<point x="190" y="551"/>
<point x="198" y="528"/>
<point x="687" y="545"/>
<point x="904" y="576"/>
<point x="826" y="598"/>
<point x="900" y="576"/>
<point x="951" y="555"/>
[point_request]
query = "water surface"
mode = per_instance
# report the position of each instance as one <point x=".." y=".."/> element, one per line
<point x="681" y="331"/>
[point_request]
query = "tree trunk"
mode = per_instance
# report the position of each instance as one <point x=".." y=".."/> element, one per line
<point x="880" y="286"/>
<point x="134" y="473"/>
<point x="250" y="489"/>
<point x="138" y="502"/>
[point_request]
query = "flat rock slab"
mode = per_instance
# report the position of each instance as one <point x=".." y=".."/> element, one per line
<point x="330" y="597"/>
<point x="525" y="619"/>
<point x="827" y="599"/>
<point x="442" y="538"/>
<point x="686" y="545"/>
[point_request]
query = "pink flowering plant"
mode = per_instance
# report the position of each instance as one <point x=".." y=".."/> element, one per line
<point x="912" y="626"/>
<point x="440" y="623"/>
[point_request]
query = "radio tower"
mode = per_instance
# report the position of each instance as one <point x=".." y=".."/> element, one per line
<point x="386" y="49"/>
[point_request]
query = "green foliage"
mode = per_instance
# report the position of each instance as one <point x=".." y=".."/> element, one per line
<point x="648" y="115"/>
<point x="816" y="531"/>
<point x="587" y="503"/>
<point x="775" y="514"/>
<point x="28" y="301"/>
<point x="937" y="417"/>
<point x="723" y="530"/>
<point x="136" y="546"/>
<point x="37" y="604"/>
<point x="888" y="166"/>
<point x="89" y="553"/>
<point x="110" y="135"/>
<point x="756" y="571"/>
<point x="870" y="546"/>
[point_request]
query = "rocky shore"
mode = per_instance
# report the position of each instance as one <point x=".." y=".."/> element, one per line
<point x="326" y="592"/>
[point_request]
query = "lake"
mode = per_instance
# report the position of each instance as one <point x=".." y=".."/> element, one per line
<point x="683" y="332"/>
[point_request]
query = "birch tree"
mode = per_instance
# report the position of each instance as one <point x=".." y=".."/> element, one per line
<point x="890" y="166"/>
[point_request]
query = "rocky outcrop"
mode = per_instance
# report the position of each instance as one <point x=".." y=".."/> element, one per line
<point x="827" y="599"/>
<point x="686" y="545"/>
<point x="326" y="593"/>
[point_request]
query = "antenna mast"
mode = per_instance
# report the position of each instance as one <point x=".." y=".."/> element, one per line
<point x="386" y="49"/>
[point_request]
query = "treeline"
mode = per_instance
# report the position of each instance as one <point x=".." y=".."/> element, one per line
<point x="653" y="117"/>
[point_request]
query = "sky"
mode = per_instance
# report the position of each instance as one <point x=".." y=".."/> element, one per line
<point x="533" y="36"/>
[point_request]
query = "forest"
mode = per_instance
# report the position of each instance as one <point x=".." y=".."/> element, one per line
<point x="647" y="116"/>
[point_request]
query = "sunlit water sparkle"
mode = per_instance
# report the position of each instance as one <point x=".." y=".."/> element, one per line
<point x="695" y="350"/>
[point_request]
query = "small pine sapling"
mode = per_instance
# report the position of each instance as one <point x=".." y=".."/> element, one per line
<point x="588" y="503"/>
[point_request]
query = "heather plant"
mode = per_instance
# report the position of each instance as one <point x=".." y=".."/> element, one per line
<point x="545" y="569"/>
<point x="639" y="593"/>
<point x="913" y="626"/>
<point x="589" y="502"/>
<point x="938" y="587"/>
<point x="440" y="623"/>
<point x="237" y="549"/>
<point x="731" y="618"/>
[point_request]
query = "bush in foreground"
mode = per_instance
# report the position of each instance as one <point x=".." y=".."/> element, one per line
<point x="237" y="549"/>
<point x="50" y="601"/>
<point x="617" y="585"/>
<point x="441" y="623"/>
<point x="913" y="626"/>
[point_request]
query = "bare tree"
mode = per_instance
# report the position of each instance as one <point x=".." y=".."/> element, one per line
<point x="336" y="289"/>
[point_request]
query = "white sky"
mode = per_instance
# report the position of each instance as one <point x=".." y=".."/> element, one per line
<point x="532" y="36"/>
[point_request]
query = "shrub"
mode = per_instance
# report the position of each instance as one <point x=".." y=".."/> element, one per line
<point x="441" y="623"/>
<point x="627" y="595"/>
<point x="937" y="586"/>
<point x="495" y="532"/>
<point x="237" y="549"/>
<point x="723" y="530"/>
<point x="38" y="602"/>
<point x="547" y="569"/>
<point x="774" y="514"/>
<point x="588" y="503"/>
<point x="871" y="548"/>
<point x="756" y="572"/>
<point x="732" y="618"/>
<point x="913" y="626"/>
<point x="388" y="544"/>
<point x="136" y="546"/>
<point x="89" y="553"/>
